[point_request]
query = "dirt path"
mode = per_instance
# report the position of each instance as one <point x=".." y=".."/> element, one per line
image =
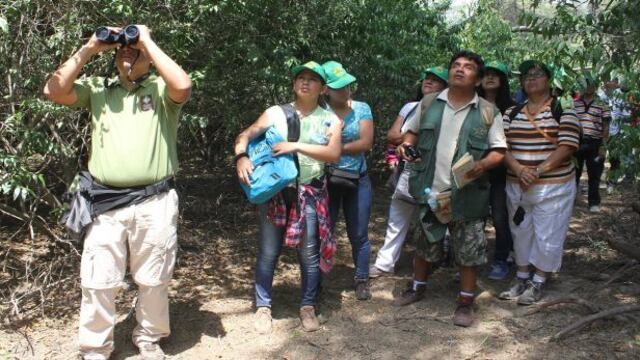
<point x="211" y="299"/>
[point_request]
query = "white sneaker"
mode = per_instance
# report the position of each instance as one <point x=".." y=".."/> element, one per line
<point x="150" y="351"/>
<point x="610" y="189"/>
<point x="594" y="208"/>
<point x="262" y="321"/>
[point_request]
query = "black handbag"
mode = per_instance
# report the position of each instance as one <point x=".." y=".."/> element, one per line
<point x="344" y="180"/>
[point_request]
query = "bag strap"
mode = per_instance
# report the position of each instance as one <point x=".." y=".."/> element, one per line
<point x="293" y="122"/>
<point x="531" y="118"/>
<point x="293" y="135"/>
<point x="413" y="109"/>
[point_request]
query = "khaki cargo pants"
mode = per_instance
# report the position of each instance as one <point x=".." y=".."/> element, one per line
<point x="147" y="233"/>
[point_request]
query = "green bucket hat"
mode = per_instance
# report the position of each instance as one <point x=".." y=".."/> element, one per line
<point x="440" y="72"/>
<point x="527" y="65"/>
<point x="498" y="66"/>
<point x="311" y="66"/>
<point x="337" y="76"/>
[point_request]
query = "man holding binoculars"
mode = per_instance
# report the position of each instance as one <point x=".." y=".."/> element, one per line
<point x="132" y="162"/>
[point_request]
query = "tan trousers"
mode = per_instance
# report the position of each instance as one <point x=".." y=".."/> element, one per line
<point x="147" y="232"/>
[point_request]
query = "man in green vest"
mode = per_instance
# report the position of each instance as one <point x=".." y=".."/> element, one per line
<point x="450" y="125"/>
<point x="133" y="159"/>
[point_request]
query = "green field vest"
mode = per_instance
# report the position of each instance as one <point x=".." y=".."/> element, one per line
<point x="472" y="201"/>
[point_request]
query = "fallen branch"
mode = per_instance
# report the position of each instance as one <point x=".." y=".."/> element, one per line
<point x="568" y="300"/>
<point x="591" y="318"/>
<point x="617" y="275"/>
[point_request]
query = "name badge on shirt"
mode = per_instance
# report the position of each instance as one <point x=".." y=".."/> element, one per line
<point x="146" y="103"/>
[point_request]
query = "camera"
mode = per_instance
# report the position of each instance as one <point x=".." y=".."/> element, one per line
<point x="411" y="151"/>
<point x="129" y="35"/>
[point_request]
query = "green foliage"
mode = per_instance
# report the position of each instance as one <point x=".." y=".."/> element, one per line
<point x="238" y="53"/>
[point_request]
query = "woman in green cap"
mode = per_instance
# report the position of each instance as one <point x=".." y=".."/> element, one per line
<point x="403" y="207"/>
<point x="495" y="88"/>
<point x="301" y="219"/>
<point x="349" y="184"/>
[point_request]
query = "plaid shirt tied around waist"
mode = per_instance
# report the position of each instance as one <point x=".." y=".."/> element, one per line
<point x="295" y="220"/>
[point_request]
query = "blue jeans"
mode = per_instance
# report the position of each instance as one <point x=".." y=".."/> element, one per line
<point x="271" y="242"/>
<point x="357" y="208"/>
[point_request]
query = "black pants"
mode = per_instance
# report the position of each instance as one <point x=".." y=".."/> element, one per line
<point x="590" y="153"/>
<point x="498" y="201"/>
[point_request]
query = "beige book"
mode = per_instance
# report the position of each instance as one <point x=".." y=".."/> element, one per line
<point x="461" y="168"/>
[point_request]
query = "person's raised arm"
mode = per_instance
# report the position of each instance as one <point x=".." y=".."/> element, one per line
<point x="177" y="80"/>
<point x="59" y="87"/>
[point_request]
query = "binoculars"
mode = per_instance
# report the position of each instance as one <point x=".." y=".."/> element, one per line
<point x="128" y="35"/>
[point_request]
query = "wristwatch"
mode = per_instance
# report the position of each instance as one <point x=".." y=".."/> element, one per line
<point x="241" y="155"/>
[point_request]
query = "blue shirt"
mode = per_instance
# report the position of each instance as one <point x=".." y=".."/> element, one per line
<point x="350" y="133"/>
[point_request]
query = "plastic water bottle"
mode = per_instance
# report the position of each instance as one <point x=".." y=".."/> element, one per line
<point x="432" y="201"/>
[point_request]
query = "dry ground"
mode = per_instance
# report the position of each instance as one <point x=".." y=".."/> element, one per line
<point x="212" y="306"/>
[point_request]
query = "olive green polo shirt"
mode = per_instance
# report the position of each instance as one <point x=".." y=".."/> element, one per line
<point x="134" y="133"/>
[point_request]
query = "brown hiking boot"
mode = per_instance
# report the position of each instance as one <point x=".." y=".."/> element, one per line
<point x="308" y="318"/>
<point x="409" y="296"/>
<point x="362" y="289"/>
<point x="463" y="316"/>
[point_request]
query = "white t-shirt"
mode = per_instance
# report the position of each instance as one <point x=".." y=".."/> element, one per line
<point x="452" y="121"/>
<point x="406" y="109"/>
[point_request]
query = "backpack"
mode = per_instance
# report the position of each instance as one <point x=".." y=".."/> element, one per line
<point x="556" y="110"/>
<point x="271" y="174"/>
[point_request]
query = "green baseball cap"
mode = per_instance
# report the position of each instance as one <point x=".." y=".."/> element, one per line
<point x="439" y="71"/>
<point x="311" y="66"/>
<point x="498" y="66"/>
<point x="527" y="65"/>
<point x="337" y="76"/>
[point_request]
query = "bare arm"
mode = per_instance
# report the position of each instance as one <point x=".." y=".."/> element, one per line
<point x="560" y="155"/>
<point x="394" y="136"/>
<point x="329" y="153"/>
<point x="244" y="167"/>
<point x="59" y="87"/>
<point x="408" y="138"/>
<point x="177" y="80"/>
<point x="512" y="163"/>
<point x="364" y="143"/>
<point x="493" y="159"/>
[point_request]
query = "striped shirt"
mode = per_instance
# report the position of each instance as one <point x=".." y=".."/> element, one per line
<point x="530" y="147"/>
<point x="593" y="117"/>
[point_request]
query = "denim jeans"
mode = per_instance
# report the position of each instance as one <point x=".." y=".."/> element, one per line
<point x="271" y="242"/>
<point x="498" y="201"/>
<point x="356" y="206"/>
<point x="590" y="153"/>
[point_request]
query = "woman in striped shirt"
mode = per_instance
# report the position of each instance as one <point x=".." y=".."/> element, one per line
<point x="541" y="138"/>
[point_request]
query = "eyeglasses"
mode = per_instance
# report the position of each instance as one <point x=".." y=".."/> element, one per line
<point x="534" y="75"/>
